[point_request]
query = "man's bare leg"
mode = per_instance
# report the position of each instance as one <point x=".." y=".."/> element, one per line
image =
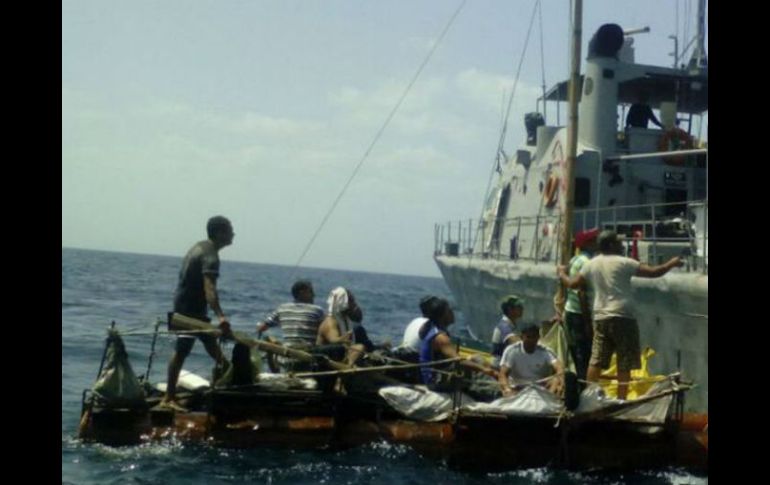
<point x="174" y="368"/>
<point x="624" y="376"/>
<point x="594" y="371"/>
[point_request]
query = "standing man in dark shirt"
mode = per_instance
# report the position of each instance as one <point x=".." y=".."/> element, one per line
<point x="639" y="114"/>
<point x="195" y="291"/>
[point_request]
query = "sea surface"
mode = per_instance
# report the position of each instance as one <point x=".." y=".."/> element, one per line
<point x="135" y="290"/>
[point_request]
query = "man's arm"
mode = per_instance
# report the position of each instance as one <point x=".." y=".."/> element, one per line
<point x="212" y="298"/>
<point x="556" y="384"/>
<point x="446" y="348"/>
<point x="578" y="281"/>
<point x="511" y="338"/>
<point x="272" y="320"/>
<point x="502" y="379"/>
<point x="330" y="332"/>
<point x="646" y="271"/>
<point x="653" y="118"/>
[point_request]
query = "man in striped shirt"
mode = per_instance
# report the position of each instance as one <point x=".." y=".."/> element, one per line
<point x="299" y="319"/>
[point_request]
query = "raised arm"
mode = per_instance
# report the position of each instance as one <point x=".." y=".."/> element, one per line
<point x="646" y="271"/>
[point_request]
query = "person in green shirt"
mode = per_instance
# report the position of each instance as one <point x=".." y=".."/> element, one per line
<point x="577" y="311"/>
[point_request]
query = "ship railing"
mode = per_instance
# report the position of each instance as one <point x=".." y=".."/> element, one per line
<point x="652" y="233"/>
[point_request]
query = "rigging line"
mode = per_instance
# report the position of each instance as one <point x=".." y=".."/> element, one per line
<point x="505" y="126"/>
<point x="542" y="55"/>
<point x="518" y="74"/>
<point x="380" y="132"/>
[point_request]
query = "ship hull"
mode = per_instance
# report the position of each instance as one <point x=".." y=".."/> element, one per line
<point x="672" y="311"/>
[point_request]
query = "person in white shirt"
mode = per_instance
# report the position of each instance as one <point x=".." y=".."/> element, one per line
<point x="411" y="334"/>
<point x="615" y="328"/>
<point x="527" y="362"/>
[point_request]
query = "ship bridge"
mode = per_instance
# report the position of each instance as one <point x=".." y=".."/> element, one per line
<point x="659" y="84"/>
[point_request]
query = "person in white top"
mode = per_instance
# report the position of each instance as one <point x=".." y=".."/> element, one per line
<point x="528" y="362"/>
<point x="411" y="334"/>
<point x="615" y="328"/>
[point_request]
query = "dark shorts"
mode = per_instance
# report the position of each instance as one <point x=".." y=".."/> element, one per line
<point x="185" y="343"/>
<point x="616" y="335"/>
<point x="334" y="352"/>
<point x="578" y="340"/>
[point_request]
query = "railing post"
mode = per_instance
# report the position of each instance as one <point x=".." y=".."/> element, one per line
<point x="470" y="235"/>
<point x="483" y="238"/>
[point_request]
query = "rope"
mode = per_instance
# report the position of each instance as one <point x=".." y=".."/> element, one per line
<point x="504" y="130"/>
<point x="378" y="134"/>
<point x="375" y="368"/>
<point x="639" y="380"/>
<point x="403" y="362"/>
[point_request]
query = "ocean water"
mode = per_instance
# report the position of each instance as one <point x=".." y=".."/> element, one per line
<point x="134" y="290"/>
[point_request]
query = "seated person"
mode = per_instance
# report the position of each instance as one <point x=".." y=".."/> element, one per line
<point x="435" y="345"/>
<point x="336" y="334"/>
<point x="528" y="362"/>
<point x="411" y="341"/>
<point x="506" y="332"/>
<point x="299" y="319"/>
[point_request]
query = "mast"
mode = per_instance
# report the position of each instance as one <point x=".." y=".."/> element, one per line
<point x="698" y="60"/>
<point x="569" y="167"/>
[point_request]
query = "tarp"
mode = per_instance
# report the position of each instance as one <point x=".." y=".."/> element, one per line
<point x="117" y="385"/>
<point x="644" y="381"/>
<point x="421" y="404"/>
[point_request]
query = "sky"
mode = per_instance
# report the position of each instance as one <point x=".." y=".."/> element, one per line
<point x="174" y="111"/>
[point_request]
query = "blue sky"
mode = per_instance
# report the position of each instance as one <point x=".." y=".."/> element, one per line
<point x="174" y="111"/>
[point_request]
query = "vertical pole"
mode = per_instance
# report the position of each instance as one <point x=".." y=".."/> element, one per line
<point x="705" y="239"/>
<point x="572" y="132"/>
<point x="537" y="237"/>
<point x="152" y="350"/>
<point x="470" y="235"/>
<point x="654" y="239"/>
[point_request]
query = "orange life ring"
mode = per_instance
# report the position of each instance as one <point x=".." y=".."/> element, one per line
<point x="551" y="191"/>
<point x="675" y="139"/>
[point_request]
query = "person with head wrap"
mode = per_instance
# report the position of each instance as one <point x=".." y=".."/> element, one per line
<point x="435" y="344"/>
<point x="337" y="329"/>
